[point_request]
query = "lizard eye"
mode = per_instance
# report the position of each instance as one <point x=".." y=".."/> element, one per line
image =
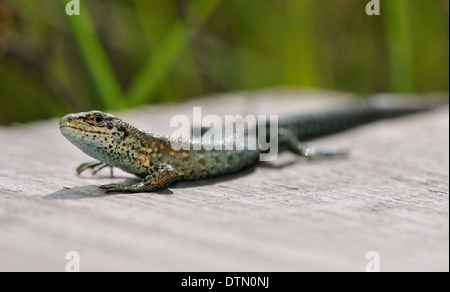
<point x="98" y="119"/>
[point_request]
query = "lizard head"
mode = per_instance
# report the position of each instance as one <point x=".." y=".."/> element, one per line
<point x="96" y="133"/>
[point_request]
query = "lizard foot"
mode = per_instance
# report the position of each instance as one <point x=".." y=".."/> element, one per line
<point x="289" y="140"/>
<point x="95" y="165"/>
<point x="310" y="150"/>
<point x="162" y="177"/>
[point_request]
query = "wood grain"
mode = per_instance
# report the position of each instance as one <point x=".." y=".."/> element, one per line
<point x="391" y="195"/>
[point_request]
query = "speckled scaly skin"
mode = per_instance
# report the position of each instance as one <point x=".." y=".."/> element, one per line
<point x="116" y="143"/>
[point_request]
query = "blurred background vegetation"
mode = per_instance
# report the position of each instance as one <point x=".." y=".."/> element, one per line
<point x="124" y="53"/>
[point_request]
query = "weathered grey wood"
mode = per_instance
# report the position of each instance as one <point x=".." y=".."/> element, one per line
<point x="391" y="196"/>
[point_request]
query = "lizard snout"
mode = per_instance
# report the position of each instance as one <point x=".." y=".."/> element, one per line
<point x="66" y="120"/>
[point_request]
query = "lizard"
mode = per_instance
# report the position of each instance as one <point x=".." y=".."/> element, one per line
<point x="116" y="143"/>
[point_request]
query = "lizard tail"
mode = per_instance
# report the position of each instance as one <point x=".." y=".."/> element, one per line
<point x="379" y="107"/>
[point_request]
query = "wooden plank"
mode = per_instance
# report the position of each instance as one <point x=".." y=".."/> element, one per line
<point x="391" y="196"/>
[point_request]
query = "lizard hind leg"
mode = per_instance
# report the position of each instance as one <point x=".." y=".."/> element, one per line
<point x="289" y="141"/>
<point x="162" y="177"/>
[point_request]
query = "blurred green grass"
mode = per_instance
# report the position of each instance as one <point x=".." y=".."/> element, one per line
<point x="125" y="53"/>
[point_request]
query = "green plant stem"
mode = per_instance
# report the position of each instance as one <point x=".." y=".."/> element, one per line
<point x="95" y="57"/>
<point x="400" y="44"/>
<point x="163" y="58"/>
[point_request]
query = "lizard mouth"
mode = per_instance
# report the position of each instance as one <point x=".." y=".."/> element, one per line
<point x="70" y="130"/>
<point x="67" y="130"/>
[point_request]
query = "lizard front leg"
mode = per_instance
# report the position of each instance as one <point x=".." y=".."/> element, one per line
<point x="162" y="177"/>
<point x="95" y="165"/>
